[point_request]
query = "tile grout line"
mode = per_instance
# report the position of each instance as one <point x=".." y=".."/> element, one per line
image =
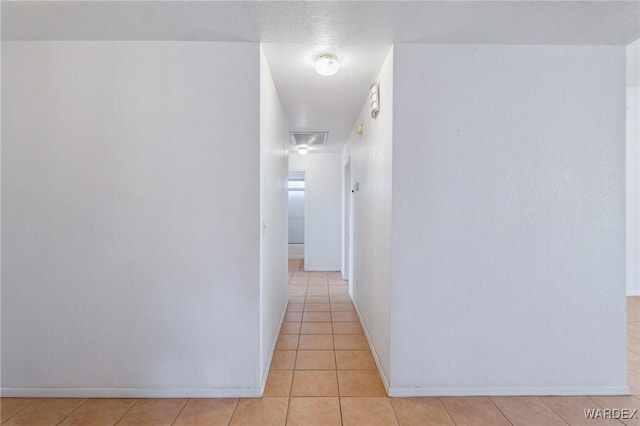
<point x="445" y="410"/>
<point x="20" y="410"/>
<point x="127" y="411"/>
<point x="295" y="360"/>
<point x="499" y="410"/>
<point x="335" y="357"/>
<point x="554" y="411"/>
<point x="73" y="411"/>
<point x="180" y="411"/>
<point x="235" y="408"/>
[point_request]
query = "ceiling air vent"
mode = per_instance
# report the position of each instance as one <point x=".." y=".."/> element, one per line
<point x="309" y="138"/>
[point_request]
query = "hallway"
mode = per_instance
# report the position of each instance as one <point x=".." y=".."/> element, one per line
<point x="323" y="374"/>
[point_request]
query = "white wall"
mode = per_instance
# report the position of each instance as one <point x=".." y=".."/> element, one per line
<point x="371" y="156"/>
<point x="508" y="220"/>
<point x="274" y="164"/>
<point x="323" y="198"/>
<point x="633" y="190"/>
<point x="296" y="217"/>
<point x="633" y="169"/>
<point x="131" y="218"/>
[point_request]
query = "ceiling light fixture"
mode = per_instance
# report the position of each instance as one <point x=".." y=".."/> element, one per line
<point x="303" y="150"/>
<point x="326" y="64"/>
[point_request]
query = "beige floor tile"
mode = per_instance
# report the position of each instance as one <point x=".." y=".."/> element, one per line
<point x="344" y="317"/>
<point x="318" y="292"/>
<point x="355" y="360"/>
<point x="316" y="316"/>
<point x="314" y="383"/>
<point x="350" y="341"/>
<point x="99" y="411"/>
<point x="370" y="411"/>
<point x="334" y="275"/>
<point x="320" y="411"/>
<point x="316" y="341"/>
<point x="571" y="409"/>
<point x="317" y="299"/>
<point x="207" y="411"/>
<point x="283" y="360"/>
<point x="473" y="411"/>
<point x="293" y="317"/>
<point x="620" y="403"/>
<point x="316" y="328"/>
<point x="297" y="291"/>
<point x="633" y="360"/>
<point x="298" y="284"/>
<point x="527" y="410"/>
<point x="287" y="342"/>
<point x="420" y="411"/>
<point x="633" y="381"/>
<point x="317" y="274"/>
<point x="296" y="300"/>
<point x="45" y="411"/>
<point x="360" y="383"/>
<point x="290" y="327"/>
<point x="316" y="307"/>
<point x="295" y="307"/>
<point x="347" y="328"/>
<point x="10" y="406"/>
<point x="315" y="360"/>
<point x="154" y="412"/>
<point x="278" y="383"/>
<point x="342" y="307"/>
<point x="266" y="411"/>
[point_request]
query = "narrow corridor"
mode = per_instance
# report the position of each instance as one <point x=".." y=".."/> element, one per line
<point x="323" y="373"/>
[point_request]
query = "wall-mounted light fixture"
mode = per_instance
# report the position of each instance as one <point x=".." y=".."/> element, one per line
<point x="303" y="150"/>
<point x="374" y="98"/>
<point x="326" y="64"/>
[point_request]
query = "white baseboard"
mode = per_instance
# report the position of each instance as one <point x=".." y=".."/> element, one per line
<point x="296" y="251"/>
<point x="385" y="381"/>
<point x="265" y="376"/>
<point x="130" y="393"/>
<point x="508" y="391"/>
<point x="633" y="293"/>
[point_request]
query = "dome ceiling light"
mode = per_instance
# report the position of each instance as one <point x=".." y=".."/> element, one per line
<point x="326" y="64"/>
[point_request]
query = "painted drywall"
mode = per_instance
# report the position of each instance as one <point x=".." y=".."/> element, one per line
<point x="323" y="192"/>
<point x="296" y="217"/>
<point x="508" y="229"/>
<point x="371" y="158"/>
<point x="274" y="166"/>
<point x="633" y="63"/>
<point x="131" y="242"/>
<point x="633" y="189"/>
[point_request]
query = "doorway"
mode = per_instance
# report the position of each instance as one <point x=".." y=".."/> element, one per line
<point x="346" y="215"/>
<point x="296" y="191"/>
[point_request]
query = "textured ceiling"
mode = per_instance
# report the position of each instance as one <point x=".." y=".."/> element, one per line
<point x="316" y="103"/>
<point x="338" y="22"/>
<point x="361" y="32"/>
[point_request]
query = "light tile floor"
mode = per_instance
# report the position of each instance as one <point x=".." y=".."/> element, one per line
<point x="323" y="374"/>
